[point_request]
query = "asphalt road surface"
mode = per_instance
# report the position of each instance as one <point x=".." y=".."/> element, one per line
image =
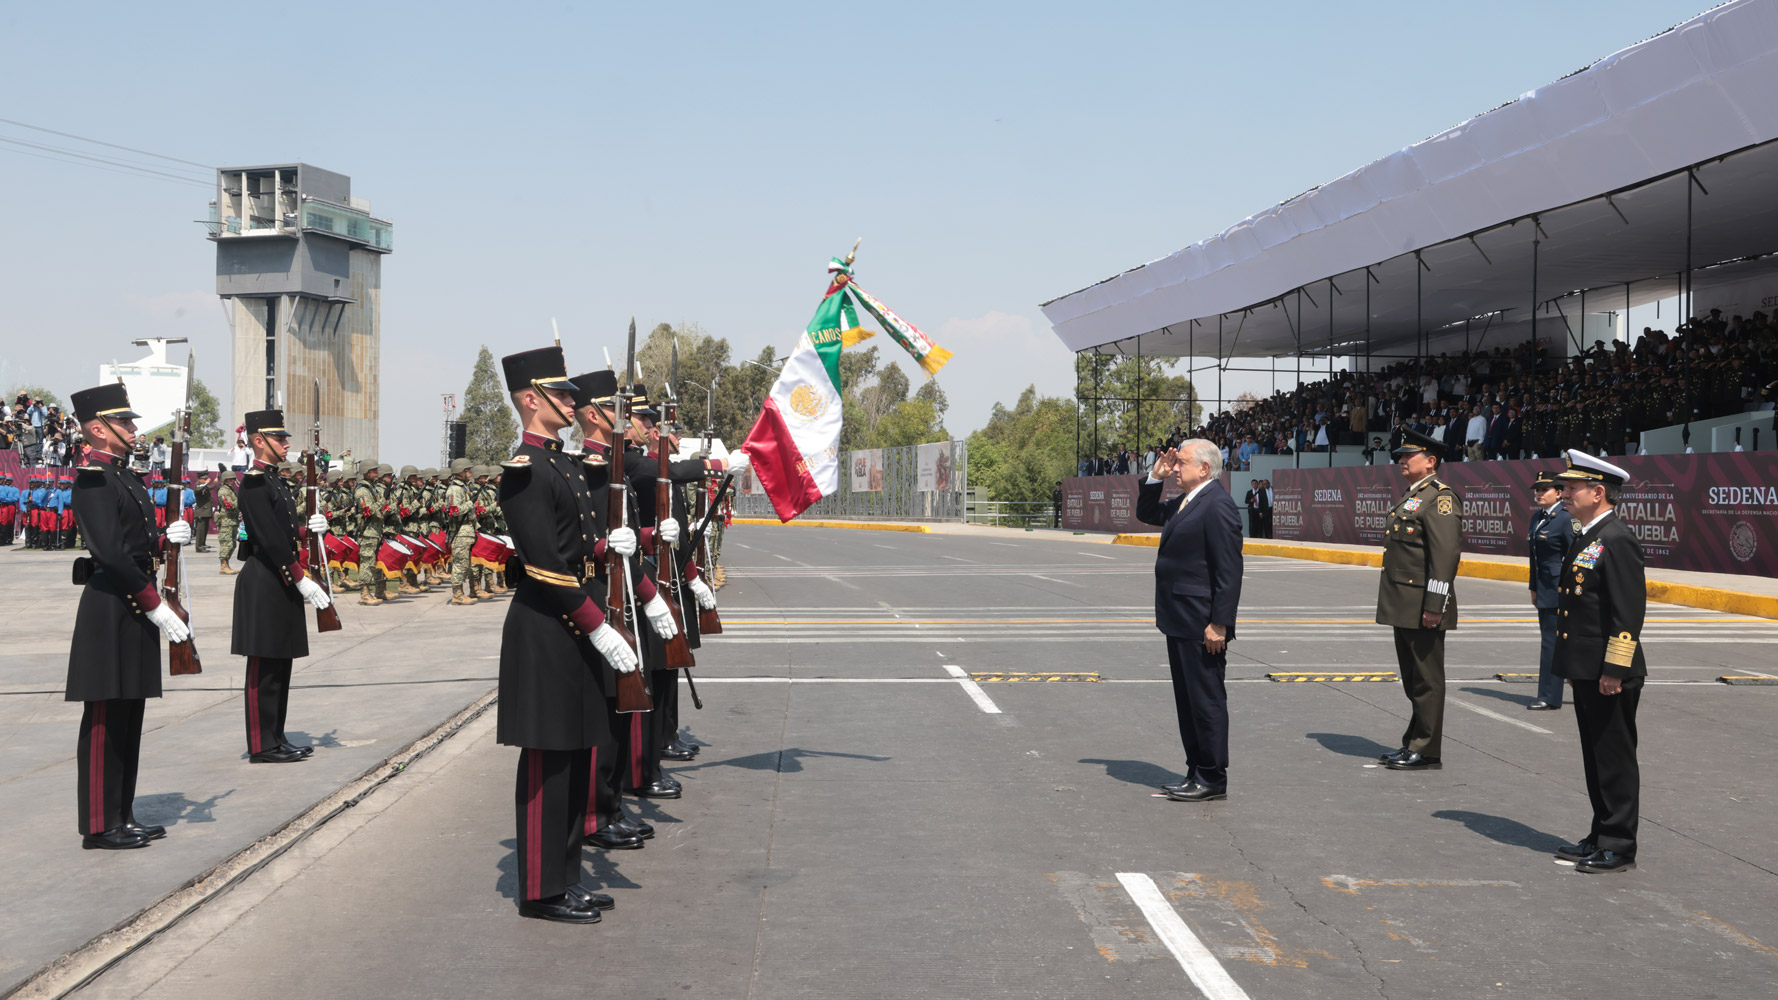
<point x="878" y="813"/>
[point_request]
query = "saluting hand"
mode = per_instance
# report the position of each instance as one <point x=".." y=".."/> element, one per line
<point x="1165" y="466"/>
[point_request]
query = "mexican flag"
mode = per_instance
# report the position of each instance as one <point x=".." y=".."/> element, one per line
<point x="795" y="443"/>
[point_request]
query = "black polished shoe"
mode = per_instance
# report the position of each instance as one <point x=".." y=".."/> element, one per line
<point x="277" y="756"/>
<point x="1182" y="786"/>
<point x="1197" y="791"/>
<point x="690" y="748"/>
<point x="1411" y="761"/>
<point x="564" y="909"/>
<point x="120" y="839"/>
<point x="293" y="748"/>
<point x="1605" y="863"/>
<point x="659" y="790"/>
<point x="1542" y="706"/>
<point x="631" y="826"/>
<point x="151" y="832"/>
<point x="1393" y="755"/>
<point x="589" y="898"/>
<point x="1577" y="852"/>
<point x="614" y="839"/>
<point x="674" y="751"/>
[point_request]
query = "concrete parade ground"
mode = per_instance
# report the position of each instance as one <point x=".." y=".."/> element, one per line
<point x="929" y="769"/>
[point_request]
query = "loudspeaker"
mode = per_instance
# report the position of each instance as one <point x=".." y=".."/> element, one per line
<point x="459" y="438"/>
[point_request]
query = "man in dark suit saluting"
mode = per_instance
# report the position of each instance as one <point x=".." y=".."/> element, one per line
<point x="1197" y="574"/>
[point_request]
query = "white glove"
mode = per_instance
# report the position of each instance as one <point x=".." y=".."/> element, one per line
<point x="661" y="617"/>
<point x="669" y="531"/>
<point x="318" y="525"/>
<point x="706" y="597"/>
<point x="738" y="461"/>
<point x="169" y="623"/>
<point x="612" y="646"/>
<point x="622" y="541"/>
<point x="178" y="533"/>
<point x="313" y="593"/>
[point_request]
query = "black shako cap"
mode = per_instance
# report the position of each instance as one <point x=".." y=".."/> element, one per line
<point x="109" y="400"/>
<point x="594" y="387"/>
<point x="268" y="422"/>
<point x="544" y="368"/>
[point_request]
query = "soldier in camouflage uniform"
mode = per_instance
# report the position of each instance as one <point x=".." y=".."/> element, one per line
<point x="228" y="518"/>
<point x="459" y="513"/>
<point x="367" y="506"/>
<point x="487" y="505"/>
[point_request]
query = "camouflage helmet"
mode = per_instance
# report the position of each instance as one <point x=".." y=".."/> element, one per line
<point x="459" y="464"/>
<point x="408" y="470"/>
<point x="385" y="469"/>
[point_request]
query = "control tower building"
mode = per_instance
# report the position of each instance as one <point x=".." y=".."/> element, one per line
<point x="299" y="266"/>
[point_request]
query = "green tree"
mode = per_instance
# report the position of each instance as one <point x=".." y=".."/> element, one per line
<point x="741" y="394"/>
<point x="912" y="421"/>
<point x="703" y="360"/>
<point x="491" y="430"/>
<point x="1117" y="383"/>
<point x="1022" y="451"/>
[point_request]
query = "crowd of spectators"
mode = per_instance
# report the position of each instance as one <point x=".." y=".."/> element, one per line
<point x="42" y="433"/>
<point x="1508" y="402"/>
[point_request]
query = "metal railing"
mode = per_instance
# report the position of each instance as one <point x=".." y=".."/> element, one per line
<point x="897" y="499"/>
<point x="1011" y="513"/>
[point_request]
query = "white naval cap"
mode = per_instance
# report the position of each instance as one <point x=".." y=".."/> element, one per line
<point x="1589" y="468"/>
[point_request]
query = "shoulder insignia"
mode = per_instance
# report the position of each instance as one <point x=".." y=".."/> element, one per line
<point x="255" y="472"/>
<point x="1446" y="504"/>
<point x="86" y="472"/>
<point x="519" y="461"/>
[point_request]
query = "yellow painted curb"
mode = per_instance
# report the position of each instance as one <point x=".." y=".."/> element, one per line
<point x="857" y="525"/>
<point x="1712" y="598"/>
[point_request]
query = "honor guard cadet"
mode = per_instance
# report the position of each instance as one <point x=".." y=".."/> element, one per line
<point x="273" y="591"/>
<point x="1421" y="548"/>
<point x="1552" y="530"/>
<point x="114" y="662"/>
<point x="551" y="705"/>
<point x="1601" y="603"/>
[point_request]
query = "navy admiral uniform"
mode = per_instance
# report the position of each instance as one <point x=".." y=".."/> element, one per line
<point x="1197" y="573"/>
<point x="1552" y="530"/>
<point x="115" y="659"/>
<point x="552" y="701"/>
<point x="1422" y="546"/>
<point x="1601" y="603"/>
<point x="271" y="593"/>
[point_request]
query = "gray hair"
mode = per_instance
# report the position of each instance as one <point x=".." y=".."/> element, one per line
<point x="1200" y="450"/>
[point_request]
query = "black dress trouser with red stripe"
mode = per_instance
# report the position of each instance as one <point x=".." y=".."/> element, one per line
<point x="268" y="700"/>
<point x="550" y="804"/>
<point x="110" y="748"/>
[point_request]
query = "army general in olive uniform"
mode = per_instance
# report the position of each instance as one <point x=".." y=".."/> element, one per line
<point x="1421" y="549"/>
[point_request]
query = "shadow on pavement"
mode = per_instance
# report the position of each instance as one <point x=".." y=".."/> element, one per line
<point x="1351" y="746"/>
<point x="1505" y="831"/>
<point x="1498" y="695"/>
<point x="1137" y="772"/>
<point x="786" y="761"/>
<point x="169" y="808"/>
<point x="604" y="871"/>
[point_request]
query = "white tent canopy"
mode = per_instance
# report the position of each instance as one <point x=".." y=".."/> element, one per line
<point x="1602" y="160"/>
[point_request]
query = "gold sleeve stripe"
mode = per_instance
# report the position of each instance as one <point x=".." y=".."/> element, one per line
<point x="1620" y="651"/>
<point x="558" y="579"/>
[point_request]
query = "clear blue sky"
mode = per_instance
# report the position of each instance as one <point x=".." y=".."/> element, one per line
<point x="700" y="162"/>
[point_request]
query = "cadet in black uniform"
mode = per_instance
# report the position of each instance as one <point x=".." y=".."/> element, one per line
<point x="114" y="662"/>
<point x="1602" y="602"/>
<point x="1421" y="549"/>
<point x="552" y="704"/>
<point x="272" y="591"/>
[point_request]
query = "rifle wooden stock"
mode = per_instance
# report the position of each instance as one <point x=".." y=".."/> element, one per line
<point x="666" y="575"/>
<point x="709" y="621"/>
<point x="182" y="657"/>
<point x="326" y="619"/>
<point x="632" y="688"/>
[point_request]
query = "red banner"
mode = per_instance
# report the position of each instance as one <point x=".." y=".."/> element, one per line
<point x="1708" y="513"/>
<point x="1108" y="503"/>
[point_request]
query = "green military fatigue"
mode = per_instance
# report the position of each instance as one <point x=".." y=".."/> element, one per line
<point x="228" y="516"/>
<point x="1421" y="549"/>
<point x="368" y="501"/>
<point x="459" y="510"/>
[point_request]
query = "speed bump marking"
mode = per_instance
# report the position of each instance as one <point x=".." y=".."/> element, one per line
<point x="1011" y="676"/>
<point x="1382" y="677"/>
<point x="1750" y="681"/>
<point x="1516" y="678"/>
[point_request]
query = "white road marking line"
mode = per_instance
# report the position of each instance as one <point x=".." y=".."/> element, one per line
<point x="785" y="558"/>
<point x="1051" y="579"/>
<point x="957" y="558"/>
<point x="827" y="680"/>
<point x="1490" y="713"/>
<point x="1008" y="545"/>
<point x="974" y="690"/>
<point x="1206" y="973"/>
<point x="883" y="546"/>
<point x="1096" y="555"/>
